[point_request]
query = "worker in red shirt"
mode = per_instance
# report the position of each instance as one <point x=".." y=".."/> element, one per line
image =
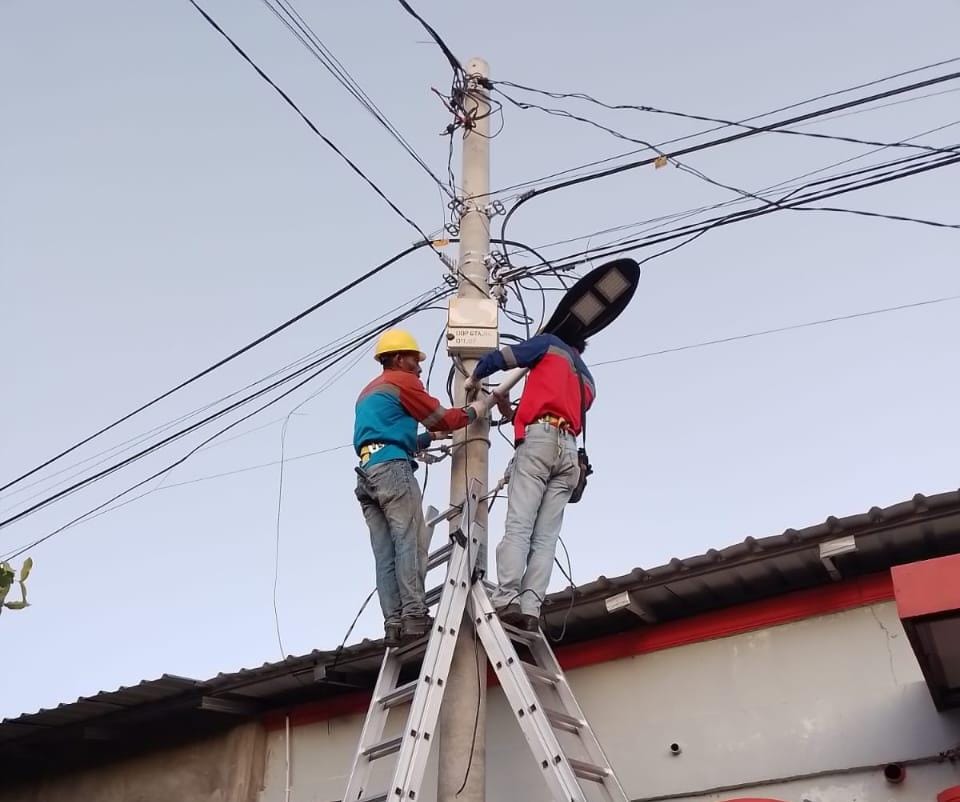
<point x="546" y="467"/>
<point x="385" y="439"/>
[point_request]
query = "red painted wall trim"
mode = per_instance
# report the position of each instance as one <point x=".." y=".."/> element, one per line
<point x="748" y="617"/>
<point x="731" y="621"/>
<point x="312" y="712"/>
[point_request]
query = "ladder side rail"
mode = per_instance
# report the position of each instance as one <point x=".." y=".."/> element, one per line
<point x="425" y="708"/>
<point x="545" y="658"/>
<point x="525" y="705"/>
<point x="373" y="727"/>
<point x="418" y="730"/>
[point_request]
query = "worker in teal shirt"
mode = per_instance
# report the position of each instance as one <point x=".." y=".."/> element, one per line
<point x="385" y="439"/>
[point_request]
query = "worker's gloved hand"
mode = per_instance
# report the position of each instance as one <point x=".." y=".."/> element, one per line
<point x="471" y="385"/>
<point x="424" y="439"/>
<point x="480" y="408"/>
<point x="504" y="407"/>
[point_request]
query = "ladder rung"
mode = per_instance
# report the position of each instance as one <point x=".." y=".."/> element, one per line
<point x="588" y="771"/>
<point x="540" y="674"/>
<point x="411" y="651"/>
<point x="521" y="635"/>
<point x="440" y="556"/>
<point x="446" y="515"/>
<point x="432" y="596"/>
<point x="384" y="748"/>
<point x="399" y="695"/>
<point x="375" y="798"/>
<point x="563" y="721"/>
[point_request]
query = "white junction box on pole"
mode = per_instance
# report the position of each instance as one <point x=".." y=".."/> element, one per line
<point x="472" y="326"/>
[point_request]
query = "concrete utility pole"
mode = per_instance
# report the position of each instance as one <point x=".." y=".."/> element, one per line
<point x="466" y="682"/>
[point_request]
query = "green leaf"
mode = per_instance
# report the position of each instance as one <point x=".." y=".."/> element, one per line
<point x="17" y="605"/>
<point x="26" y="568"/>
<point x="6" y="580"/>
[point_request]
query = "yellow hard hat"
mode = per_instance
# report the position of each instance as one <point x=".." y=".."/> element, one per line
<point x="397" y="341"/>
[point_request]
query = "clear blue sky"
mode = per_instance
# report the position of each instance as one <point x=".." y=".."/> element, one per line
<point x="160" y="205"/>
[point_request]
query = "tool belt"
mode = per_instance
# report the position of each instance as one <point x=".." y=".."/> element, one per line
<point x="552" y="420"/>
<point x="368" y="451"/>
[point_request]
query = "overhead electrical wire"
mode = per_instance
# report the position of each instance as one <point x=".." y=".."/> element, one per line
<point x="259" y="466"/>
<point x="729" y="138"/>
<point x="454" y="62"/>
<point x="684" y="115"/>
<point x="225" y="360"/>
<point x="778" y="330"/>
<point x="157" y="474"/>
<point x="514" y="191"/>
<point x="687" y="137"/>
<point x="694" y="230"/>
<point x="220" y="363"/>
<point x="316" y="370"/>
<point x="663" y="220"/>
<point x="608" y="248"/>
<point x="606" y="362"/>
<point x="101" y="457"/>
<point x="356" y="169"/>
<point x="310" y="124"/>
<point x="724" y="123"/>
<point x="414" y="306"/>
<point x="198" y="424"/>
<point x="783" y="204"/>
<point x="290" y="17"/>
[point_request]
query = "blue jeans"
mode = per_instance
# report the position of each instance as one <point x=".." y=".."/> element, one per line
<point x="392" y="506"/>
<point x="544" y="474"/>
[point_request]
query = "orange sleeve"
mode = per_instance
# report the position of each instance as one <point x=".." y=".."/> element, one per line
<point x="426" y="409"/>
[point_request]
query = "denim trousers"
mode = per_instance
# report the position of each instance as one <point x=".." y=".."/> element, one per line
<point x="393" y="508"/>
<point x="544" y="474"/>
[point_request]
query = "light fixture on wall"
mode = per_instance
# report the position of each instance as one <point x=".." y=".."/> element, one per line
<point x="832" y="549"/>
<point x="628" y="601"/>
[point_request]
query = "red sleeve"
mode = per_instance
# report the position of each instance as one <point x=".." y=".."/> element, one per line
<point x="428" y="410"/>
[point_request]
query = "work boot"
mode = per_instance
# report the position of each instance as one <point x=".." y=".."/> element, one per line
<point x="392" y="632"/>
<point x="415" y="627"/>
<point x="530" y="623"/>
<point x="511" y="615"/>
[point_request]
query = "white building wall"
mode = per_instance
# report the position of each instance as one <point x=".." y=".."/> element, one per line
<point x="828" y="695"/>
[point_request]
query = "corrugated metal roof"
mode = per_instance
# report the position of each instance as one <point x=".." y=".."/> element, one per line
<point x="90" y="707"/>
<point x="925" y="526"/>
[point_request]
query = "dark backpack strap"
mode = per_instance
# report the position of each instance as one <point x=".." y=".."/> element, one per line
<point x="583" y="405"/>
<point x="582" y="460"/>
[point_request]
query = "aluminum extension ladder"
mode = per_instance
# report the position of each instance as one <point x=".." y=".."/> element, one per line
<point x="517" y="675"/>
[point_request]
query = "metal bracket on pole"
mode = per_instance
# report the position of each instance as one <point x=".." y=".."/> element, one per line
<point x="494" y="209"/>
